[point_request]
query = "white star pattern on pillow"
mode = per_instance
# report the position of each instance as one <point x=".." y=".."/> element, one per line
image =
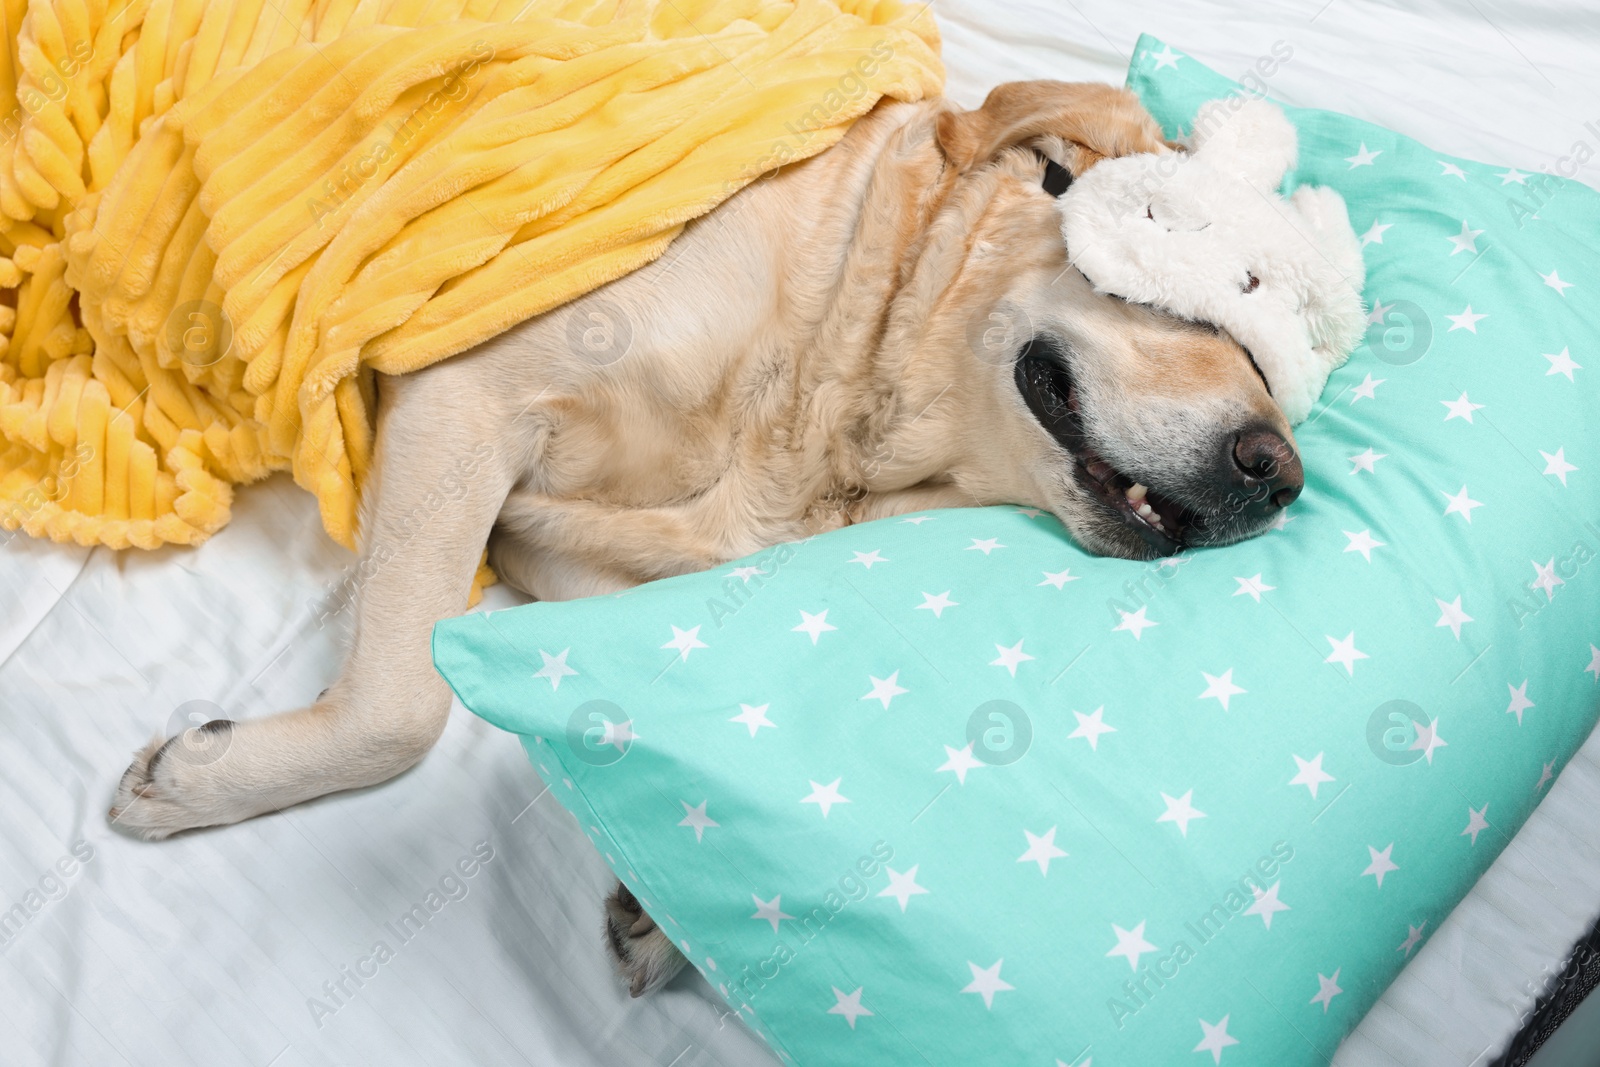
<point x="1444" y="510"/>
<point x="1216" y="1038"/>
<point x="1180" y="811"/>
<point x="986" y="982"/>
<point x="1310" y="774"/>
<point x="1092" y="725"/>
<point x="1381" y="863"/>
<point x="902" y="887"/>
<point x="1041" y="850"/>
<point x="1134" y="622"/>
<point x="1220" y="687"/>
<point x="1363" y="543"/>
<point x="849" y="1006"/>
<point x="1131" y="944"/>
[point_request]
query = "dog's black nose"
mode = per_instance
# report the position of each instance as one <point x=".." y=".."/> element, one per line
<point x="1265" y="473"/>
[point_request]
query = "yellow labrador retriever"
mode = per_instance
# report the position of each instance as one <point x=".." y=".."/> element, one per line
<point x="890" y="326"/>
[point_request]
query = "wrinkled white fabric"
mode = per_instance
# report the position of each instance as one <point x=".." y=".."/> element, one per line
<point x="205" y="950"/>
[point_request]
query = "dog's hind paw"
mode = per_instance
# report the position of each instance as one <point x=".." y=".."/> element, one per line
<point x="644" y="955"/>
<point x="155" y="797"/>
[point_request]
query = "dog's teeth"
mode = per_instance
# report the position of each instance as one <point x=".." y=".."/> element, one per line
<point x="1137" y="491"/>
<point x="1146" y="510"/>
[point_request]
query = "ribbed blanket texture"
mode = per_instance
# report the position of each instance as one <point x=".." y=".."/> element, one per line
<point x="220" y="219"/>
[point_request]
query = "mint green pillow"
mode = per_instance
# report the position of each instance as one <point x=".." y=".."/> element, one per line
<point x="945" y="789"/>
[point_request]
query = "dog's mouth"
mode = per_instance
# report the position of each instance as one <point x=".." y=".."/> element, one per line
<point x="1048" y="389"/>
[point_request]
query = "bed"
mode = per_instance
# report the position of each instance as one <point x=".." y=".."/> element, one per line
<point x="255" y="944"/>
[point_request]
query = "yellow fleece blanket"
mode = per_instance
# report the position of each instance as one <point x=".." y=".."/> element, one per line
<point x="219" y="219"/>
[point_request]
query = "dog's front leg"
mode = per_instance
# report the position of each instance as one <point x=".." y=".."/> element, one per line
<point x="443" y="470"/>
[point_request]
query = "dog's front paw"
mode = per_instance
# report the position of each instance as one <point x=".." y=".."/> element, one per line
<point x="645" y="956"/>
<point x="162" y="790"/>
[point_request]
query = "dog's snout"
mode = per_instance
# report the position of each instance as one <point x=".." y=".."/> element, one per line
<point x="1266" y="468"/>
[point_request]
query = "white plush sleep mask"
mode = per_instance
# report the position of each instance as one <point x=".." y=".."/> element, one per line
<point x="1205" y="235"/>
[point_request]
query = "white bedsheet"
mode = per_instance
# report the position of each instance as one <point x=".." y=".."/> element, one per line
<point x="209" y="949"/>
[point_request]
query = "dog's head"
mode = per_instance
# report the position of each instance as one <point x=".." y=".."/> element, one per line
<point x="1142" y="431"/>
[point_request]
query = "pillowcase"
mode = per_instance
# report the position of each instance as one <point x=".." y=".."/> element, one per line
<point x="945" y="789"/>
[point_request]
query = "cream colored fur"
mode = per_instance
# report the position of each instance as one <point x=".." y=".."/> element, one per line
<point x="833" y="345"/>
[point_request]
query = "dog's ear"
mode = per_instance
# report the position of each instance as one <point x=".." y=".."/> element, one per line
<point x="1102" y="120"/>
